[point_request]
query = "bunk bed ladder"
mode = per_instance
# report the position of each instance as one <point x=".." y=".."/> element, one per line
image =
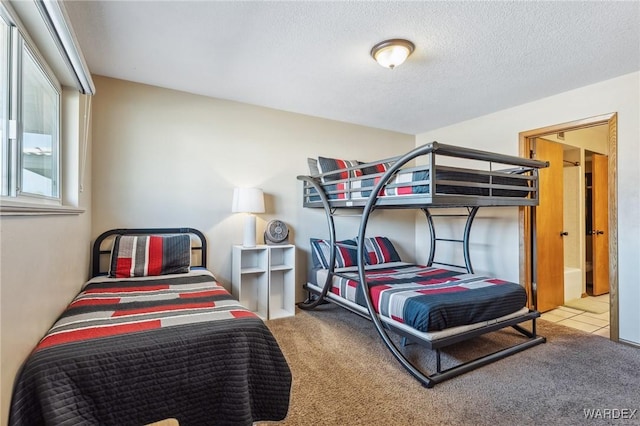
<point x="471" y="214"/>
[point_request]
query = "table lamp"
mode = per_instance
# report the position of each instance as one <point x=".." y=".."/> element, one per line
<point x="249" y="201"/>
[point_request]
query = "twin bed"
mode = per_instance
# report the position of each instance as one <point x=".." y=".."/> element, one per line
<point x="150" y="337"/>
<point x="434" y="305"/>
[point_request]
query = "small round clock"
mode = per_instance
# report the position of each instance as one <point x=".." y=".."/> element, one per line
<point x="276" y="232"/>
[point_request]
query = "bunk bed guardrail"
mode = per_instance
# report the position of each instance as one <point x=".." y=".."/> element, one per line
<point x="480" y="183"/>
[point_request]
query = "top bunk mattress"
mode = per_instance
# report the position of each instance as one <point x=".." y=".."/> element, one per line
<point x="428" y="299"/>
<point x="447" y="181"/>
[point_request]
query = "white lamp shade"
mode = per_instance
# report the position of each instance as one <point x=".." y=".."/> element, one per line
<point x="247" y="200"/>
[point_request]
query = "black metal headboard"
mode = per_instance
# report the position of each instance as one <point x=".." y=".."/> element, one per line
<point x="98" y="251"/>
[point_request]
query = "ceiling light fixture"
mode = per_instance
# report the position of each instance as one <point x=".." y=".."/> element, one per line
<point x="391" y="53"/>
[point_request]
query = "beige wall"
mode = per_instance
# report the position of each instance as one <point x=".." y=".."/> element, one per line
<point x="495" y="240"/>
<point x="164" y="158"/>
<point x="44" y="260"/>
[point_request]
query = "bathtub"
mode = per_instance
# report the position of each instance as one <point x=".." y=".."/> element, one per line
<point x="572" y="283"/>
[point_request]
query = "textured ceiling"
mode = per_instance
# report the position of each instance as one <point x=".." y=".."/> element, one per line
<point x="471" y="58"/>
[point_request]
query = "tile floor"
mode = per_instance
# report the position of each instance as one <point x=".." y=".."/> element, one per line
<point x="586" y="321"/>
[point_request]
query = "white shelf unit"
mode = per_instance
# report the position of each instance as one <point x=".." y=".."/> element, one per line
<point x="250" y="279"/>
<point x="263" y="279"/>
<point x="282" y="278"/>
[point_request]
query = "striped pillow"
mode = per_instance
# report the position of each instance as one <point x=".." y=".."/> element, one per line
<point x="326" y="165"/>
<point x="345" y="256"/>
<point x="376" y="168"/>
<point x="147" y="255"/>
<point x="380" y="250"/>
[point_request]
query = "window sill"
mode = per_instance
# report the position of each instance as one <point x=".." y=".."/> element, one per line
<point x="13" y="208"/>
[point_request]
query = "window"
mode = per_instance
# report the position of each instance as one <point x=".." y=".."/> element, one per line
<point x="39" y="135"/>
<point x="4" y="98"/>
<point x="30" y="125"/>
<point x="43" y="136"/>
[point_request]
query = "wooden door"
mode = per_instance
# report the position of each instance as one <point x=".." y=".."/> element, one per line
<point x="600" y="223"/>
<point x="549" y="267"/>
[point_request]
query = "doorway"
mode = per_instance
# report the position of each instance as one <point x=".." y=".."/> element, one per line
<point x="548" y="271"/>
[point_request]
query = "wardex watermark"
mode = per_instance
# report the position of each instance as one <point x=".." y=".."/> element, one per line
<point x="609" y="413"/>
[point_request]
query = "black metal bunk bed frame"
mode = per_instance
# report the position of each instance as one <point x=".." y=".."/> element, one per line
<point x="315" y="196"/>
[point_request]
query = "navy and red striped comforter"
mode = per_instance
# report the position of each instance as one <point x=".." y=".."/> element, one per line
<point x="135" y="351"/>
<point x="432" y="299"/>
<point x="413" y="182"/>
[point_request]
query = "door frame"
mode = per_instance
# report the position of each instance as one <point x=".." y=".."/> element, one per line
<point x="525" y="219"/>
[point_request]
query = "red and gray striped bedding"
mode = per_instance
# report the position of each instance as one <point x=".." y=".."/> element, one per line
<point x="432" y="299"/>
<point x="137" y="350"/>
<point x="416" y="181"/>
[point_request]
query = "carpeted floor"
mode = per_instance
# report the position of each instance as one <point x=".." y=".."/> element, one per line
<point x="344" y="375"/>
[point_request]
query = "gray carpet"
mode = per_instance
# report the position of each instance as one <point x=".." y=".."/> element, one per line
<point x="344" y="375"/>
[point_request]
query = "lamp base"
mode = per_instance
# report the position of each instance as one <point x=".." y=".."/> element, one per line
<point x="249" y="231"/>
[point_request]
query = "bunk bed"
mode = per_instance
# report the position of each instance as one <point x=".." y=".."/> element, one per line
<point x="419" y="179"/>
<point x="152" y="336"/>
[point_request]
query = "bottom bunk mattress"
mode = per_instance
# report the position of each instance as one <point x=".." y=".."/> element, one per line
<point x="427" y="299"/>
<point x="138" y="350"/>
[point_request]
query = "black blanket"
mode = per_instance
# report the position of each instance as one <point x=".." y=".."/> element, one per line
<point x="209" y="372"/>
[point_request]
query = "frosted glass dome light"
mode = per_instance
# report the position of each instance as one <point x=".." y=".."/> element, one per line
<point x="391" y="53"/>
